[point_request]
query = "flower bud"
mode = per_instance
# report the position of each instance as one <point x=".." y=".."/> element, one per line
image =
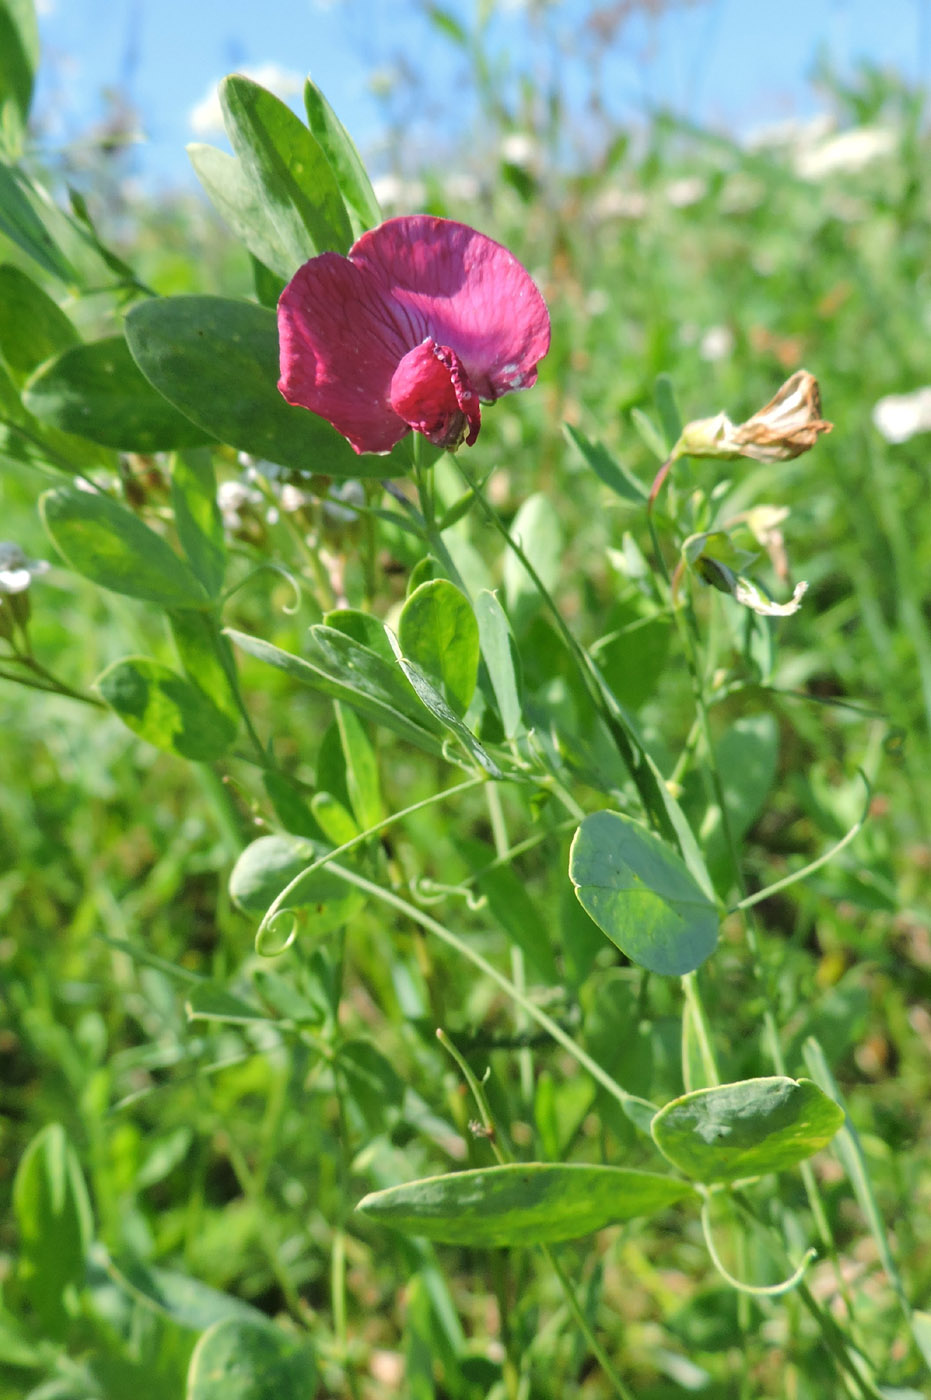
<point x="789" y="425"/>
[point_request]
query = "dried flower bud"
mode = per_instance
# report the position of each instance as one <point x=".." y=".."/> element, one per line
<point x="789" y="425"/>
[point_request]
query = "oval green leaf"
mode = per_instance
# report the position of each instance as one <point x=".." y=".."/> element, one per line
<point x="21" y="224"/>
<point x="240" y="206"/>
<point x="287" y="169"/>
<point x="242" y="1360"/>
<point x="98" y="391"/>
<point x="33" y="327"/>
<point x="501" y="659"/>
<point x="438" y="632"/>
<point x="19" y="58"/>
<point x="217" y="361"/>
<point x="53" y="1215"/>
<point x="109" y="545"/>
<point x="166" y="709"/>
<point x="345" y="161"/>
<point x="270" y="863"/>
<point x="735" y="1131"/>
<point x="639" y="893"/>
<point x="363" y="691"/>
<point x="523" y="1203"/>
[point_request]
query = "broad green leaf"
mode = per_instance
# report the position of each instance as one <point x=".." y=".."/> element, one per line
<point x="921" y="1331"/>
<point x="523" y="1203"/>
<point x="344" y="159"/>
<point x="209" y="1001"/>
<point x="270" y="863"/>
<point x="242" y="1360"/>
<point x="649" y="434"/>
<point x="165" y="709"/>
<point x="536" y="527"/>
<point x="217" y="361"/>
<point x="109" y="545"/>
<point x="501" y="659"/>
<point x="207" y="658"/>
<point x="360" y="665"/>
<point x="671" y="419"/>
<point x="33" y="327"/>
<point x="19" y="58"/>
<point x="615" y="476"/>
<point x="18" y="1346"/>
<point x="735" y="1131"/>
<point x="334" y="818"/>
<point x="361" y="769"/>
<point x="185" y="1300"/>
<point x="289" y="800"/>
<point x="21" y="224"/>
<point x="435" y="703"/>
<point x="632" y="658"/>
<point x="55" y="1224"/>
<point x="364" y="628"/>
<point x="364" y="690"/>
<point x="197" y="517"/>
<point x="639" y="892"/>
<point x="98" y="391"/>
<point x="38" y="443"/>
<point x="373" y="1085"/>
<point x="438" y="632"/>
<point x="747" y="756"/>
<point x="240" y="205"/>
<point x="288" y="171"/>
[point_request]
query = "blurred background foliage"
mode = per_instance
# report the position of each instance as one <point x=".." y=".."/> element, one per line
<point x="662" y="250"/>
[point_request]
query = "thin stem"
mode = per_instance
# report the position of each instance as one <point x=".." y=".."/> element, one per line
<point x="581" y="1321"/>
<point x="47" y="682"/>
<point x="465" y="950"/>
<point x="749" y="900"/>
<point x="758" y="1290"/>
<point x="656" y="801"/>
<point x="280" y="902"/>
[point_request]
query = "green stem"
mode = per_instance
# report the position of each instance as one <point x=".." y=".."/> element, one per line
<point x="655" y="799"/>
<point x="465" y="950"/>
<point x="581" y="1321"/>
<point x="280" y="902"/>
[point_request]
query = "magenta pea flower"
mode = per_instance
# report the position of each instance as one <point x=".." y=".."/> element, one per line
<point x="423" y="320"/>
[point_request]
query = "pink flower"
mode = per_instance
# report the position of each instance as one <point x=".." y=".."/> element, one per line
<point x="422" y="320"/>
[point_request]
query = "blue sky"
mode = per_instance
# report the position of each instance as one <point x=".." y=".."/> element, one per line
<point x="738" y="63"/>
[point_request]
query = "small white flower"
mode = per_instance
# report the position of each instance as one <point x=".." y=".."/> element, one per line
<point x="597" y="302"/>
<point x="232" y="499"/>
<point x="392" y="192"/>
<point x="688" y="190"/>
<point x="899" y="417"/>
<point x="613" y="203"/>
<point x="847" y="153"/>
<point x="293" y="498"/>
<point x="463" y="187"/>
<point x="16" y="571"/>
<point x="520" y="148"/>
<point x="716" y="344"/>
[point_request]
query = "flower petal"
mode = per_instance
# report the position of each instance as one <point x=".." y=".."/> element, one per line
<point x="465" y="291"/>
<point x="341" y="342"/>
<point x="431" y="392"/>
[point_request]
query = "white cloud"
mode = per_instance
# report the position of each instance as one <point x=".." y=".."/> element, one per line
<point x="206" y="116"/>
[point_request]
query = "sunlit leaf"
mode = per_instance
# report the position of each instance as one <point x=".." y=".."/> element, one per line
<point x="522" y="1203"/>
<point x="747" y="1129"/>
<point x="639" y="892"/>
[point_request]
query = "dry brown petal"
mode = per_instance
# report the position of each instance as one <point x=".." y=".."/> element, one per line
<point x="789" y="425"/>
